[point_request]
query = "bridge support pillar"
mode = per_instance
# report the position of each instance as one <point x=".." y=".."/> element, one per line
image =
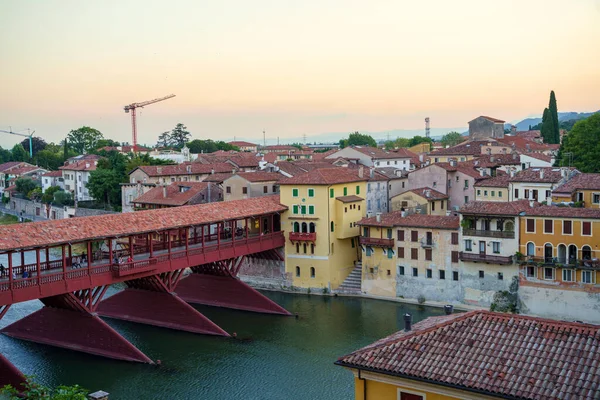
<point x="10" y="375"/>
<point x="69" y="321"/>
<point x="216" y="284"/>
<point x="150" y="301"/>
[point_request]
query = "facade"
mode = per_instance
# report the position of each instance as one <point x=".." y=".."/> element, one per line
<point x="245" y="185"/>
<point x="532" y="160"/>
<point x="537" y="183"/>
<point x="375" y="157"/>
<point x="186" y="172"/>
<point x="52" y="178"/>
<point x="442" y="358"/>
<point x="279" y="148"/>
<point x="492" y="189"/>
<point x="382" y="183"/>
<point x="245" y="146"/>
<point x="486" y="127"/>
<point x="464" y="151"/>
<point x="12" y="170"/>
<point x="581" y="188"/>
<point x="410" y="256"/>
<point x="324" y="207"/>
<point x="131" y="191"/>
<point x="76" y="175"/>
<point x="178" y="194"/>
<point x="422" y="200"/>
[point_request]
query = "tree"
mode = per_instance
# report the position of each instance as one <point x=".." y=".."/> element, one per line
<point x="547" y="127"/>
<point x="358" y="139"/>
<point x="35" y="194"/>
<point x="66" y="148"/>
<point x="84" y="139"/>
<point x="63" y="198"/>
<point x="48" y="196"/>
<point x="36" y="391"/>
<point x="415" y="140"/>
<point x="451" y="139"/>
<point x="37" y="143"/>
<point x="104" y="186"/>
<point x="19" y="153"/>
<point x="164" y="140"/>
<point x="179" y="135"/>
<point x="582" y="145"/>
<point x="106" y="143"/>
<point x="144" y="159"/>
<point x="5" y="155"/>
<point x="25" y="185"/>
<point x="554" y="114"/>
<point x="202" y="146"/>
<point x="48" y="159"/>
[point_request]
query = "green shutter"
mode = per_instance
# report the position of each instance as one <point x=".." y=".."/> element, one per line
<point x="295" y="192"/>
<point x="311" y="192"/>
<point x="331" y="226"/>
<point x="295" y="209"/>
<point x="303" y="209"/>
<point x="345" y="191"/>
<point x="357" y="189"/>
<point x="352" y="241"/>
<point x="331" y="193"/>
<point x="311" y="210"/>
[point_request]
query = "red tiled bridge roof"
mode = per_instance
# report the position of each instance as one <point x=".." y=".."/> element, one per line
<point x="57" y="232"/>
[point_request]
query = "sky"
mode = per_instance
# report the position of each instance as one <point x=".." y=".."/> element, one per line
<point x="239" y="67"/>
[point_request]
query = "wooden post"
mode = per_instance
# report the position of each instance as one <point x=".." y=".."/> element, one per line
<point x="10" y="268"/>
<point x="110" y="252"/>
<point x="169" y="243"/>
<point x="70" y="254"/>
<point x="246" y="228"/>
<point x="202" y="233"/>
<point x="131" y="247"/>
<point x="64" y="261"/>
<point x="89" y="254"/>
<point x="219" y="235"/>
<point x="47" y="258"/>
<point x="195" y="235"/>
<point x="150" y="245"/>
<point x="272" y="223"/>
<point x="233" y="232"/>
<point x="187" y="240"/>
<point x="23" y="260"/>
<point x="38" y="265"/>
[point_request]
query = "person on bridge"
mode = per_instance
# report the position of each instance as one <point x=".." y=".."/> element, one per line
<point x="2" y="270"/>
<point x="130" y="259"/>
<point x="116" y="260"/>
<point x="25" y="274"/>
<point x="83" y="257"/>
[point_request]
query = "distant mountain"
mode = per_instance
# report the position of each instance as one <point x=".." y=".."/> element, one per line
<point x="562" y="116"/>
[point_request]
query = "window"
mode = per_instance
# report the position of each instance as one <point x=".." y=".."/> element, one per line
<point x="442" y="204"/>
<point x="390" y="253"/>
<point x="548" y="193"/>
<point x="389" y="273"/>
<point x="436" y="159"/>
<point x="400" y="252"/>
<point x="400" y="270"/>
<point x="530" y="225"/>
<point x="481" y="274"/>
<point x="466" y="199"/>
<point x="454" y="238"/>
<point x="466" y="184"/>
<point x="228" y="189"/>
<point x="429" y="273"/>
<point x="401" y="235"/>
<point x="596" y="198"/>
<point x="428" y="254"/>
<point x="295" y="209"/>
<point x="312" y="272"/>
<point x="516" y="194"/>
<point x="485" y="193"/>
<point x="530" y="272"/>
<point x="567" y="227"/>
<point x="588" y="277"/>
<point x="414" y="254"/>
<point x="499" y="193"/>
<point x="433" y="206"/>
<point x="496" y="247"/>
<point x="311" y="192"/>
<point x="415" y="272"/>
<point x="297" y="271"/>
<point x="332" y="226"/>
<point x="548" y="226"/>
<point x="331" y="193"/>
<point x="345" y="191"/>
<point x="274" y="188"/>
<point x="304" y="247"/>
<point x="493" y="193"/>
<point x="244" y="190"/>
<point x="478" y="192"/>
<point x="357" y="189"/>
<point x="294" y="192"/>
<point x="567" y="275"/>
<point x="548" y="273"/>
<point x="468" y="245"/>
<point x="302" y="209"/>
<point x="312" y="247"/>
<point x="586" y="228"/>
<point x="368" y="251"/>
<point x="265" y="189"/>
<point x="414" y="236"/>
<point x="311" y="210"/>
<point x="500" y="276"/>
<point x="454" y="256"/>
<point x="526" y="194"/>
<point x="434" y="184"/>
<point x="454" y="275"/>
<point x="442" y="274"/>
<point x="402" y="185"/>
<point x="389" y="233"/>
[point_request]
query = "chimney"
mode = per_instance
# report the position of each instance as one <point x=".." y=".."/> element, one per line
<point x="421" y="157"/>
<point x="407" y="322"/>
<point x="448" y="308"/>
<point x="428" y="193"/>
<point x="513" y="129"/>
<point x="541" y="173"/>
<point x="378" y="217"/>
<point x="188" y="168"/>
<point x="371" y="172"/>
<point x="563" y="172"/>
<point x="531" y="203"/>
<point x="361" y="171"/>
<point x="528" y="147"/>
<point x="87" y="165"/>
<point x="504" y="150"/>
<point x="489" y="151"/>
<point x="165" y="191"/>
<point x="492" y="158"/>
<point x="515" y="156"/>
<point x="212" y="171"/>
<point x="159" y="170"/>
<point x="233" y="171"/>
<point x="511" y="172"/>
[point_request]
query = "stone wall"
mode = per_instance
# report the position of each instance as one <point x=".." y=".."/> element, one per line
<point x="560" y="303"/>
<point x="265" y="273"/>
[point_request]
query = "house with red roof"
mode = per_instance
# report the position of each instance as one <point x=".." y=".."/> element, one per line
<point x="486" y="127"/>
<point x="10" y="171"/>
<point x="245" y="185"/>
<point x="179" y="194"/>
<point x="245" y="146"/>
<point x="376" y="157"/>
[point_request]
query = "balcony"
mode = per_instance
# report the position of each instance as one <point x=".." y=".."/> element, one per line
<point x="369" y="241"/>
<point x="491" y="234"/>
<point x="486" y="258"/>
<point x="561" y="262"/>
<point x="303" y="236"/>
<point x="426" y="244"/>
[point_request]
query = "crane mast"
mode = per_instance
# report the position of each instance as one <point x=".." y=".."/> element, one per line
<point x="24" y="135"/>
<point x="133" y="107"/>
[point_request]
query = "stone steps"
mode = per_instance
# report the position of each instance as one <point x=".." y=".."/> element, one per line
<point x="352" y="284"/>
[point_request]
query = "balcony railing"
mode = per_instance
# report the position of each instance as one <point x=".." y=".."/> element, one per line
<point x="487" y="258"/>
<point x="303" y="236"/>
<point x="561" y="261"/>
<point x="486" y="233"/>
<point x="426" y="244"/>
<point x="369" y="241"/>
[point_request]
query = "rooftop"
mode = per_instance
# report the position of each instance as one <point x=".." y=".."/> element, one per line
<point x="580" y="182"/>
<point x="395" y="218"/>
<point x="429" y="194"/>
<point x="500" y="181"/>
<point x="82" y="165"/>
<point x="502" y="355"/>
<point x="349" y="199"/>
<point x="260" y="176"/>
<point x="73" y="230"/>
<point x="11" y="164"/>
<point x="539" y="175"/>
<point x="513" y="208"/>
<point x="324" y="176"/>
<point x="54" y="174"/>
<point x="490" y="119"/>
<point x="178" y="193"/>
<point x="186" y="168"/>
<point x="375" y="152"/>
<point x="241" y="143"/>
<point x="470" y="147"/>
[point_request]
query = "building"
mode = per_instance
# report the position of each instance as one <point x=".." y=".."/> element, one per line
<point x="410" y="256"/>
<point x="531" y="160"/>
<point x="245" y="146"/>
<point x="186" y="172"/>
<point x="382" y="182"/>
<point x="178" y="157"/>
<point x="52" y="178"/>
<point x="76" y="175"/>
<point x="126" y="149"/>
<point x="480" y="355"/>
<point x="245" y="185"/>
<point x="421" y="200"/>
<point x="295" y="155"/>
<point x="493" y="188"/>
<point x="560" y="264"/>
<point x="486" y="127"/>
<point x="538" y="183"/>
<point x="10" y="171"/>
<point x="489" y="241"/>
<point x="131" y="191"/>
<point x="581" y="188"/>
<point x="376" y="157"/>
<point x="321" y="223"/>
<point x="279" y="148"/>
<point x="178" y="194"/>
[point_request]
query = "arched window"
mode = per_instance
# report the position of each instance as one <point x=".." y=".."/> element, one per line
<point x="311" y="227"/>
<point x="312" y="272"/>
<point x="530" y="249"/>
<point x="562" y="254"/>
<point x="296" y="227"/>
<point x="297" y="271"/>
<point x="304" y="227"/>
<point x="297" y="247"/>
<point x="548" y="252"/>
<point x="331" y="248"/>
<point x="586" y="253"/>
<point x="572" y="254"/>
<point x="304" y="246"/>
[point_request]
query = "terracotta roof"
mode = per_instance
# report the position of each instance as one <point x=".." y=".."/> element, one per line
<point x="529" y="134"/>
<point x="494" y="160"/>
<point x="324" y="176"/>
<point x="53" y="174"/>
<point x="540" y="156"/>
<point x="175" y="195"/>
<point x="244" y="160"/>
<point x="580" y="182"/>
<point x="181" y="169"/>
<point x="387" y="173"/>
<point x="309" y="165"/>
<point x="500" y="181"/>
<point x="73" y="230"/>
<point x="281" y="147"/>
<point x="470" y="147"/>
<point x="260" y="176"/>
<point x="83" y="165"/>
<point x="523" y="144"/>
<point x="349" y="199"/>
<point x="395" y="218"/>
<point x="218" y="178"/>
<point x="429" y="194"/>
<point x="466" y="167"/>
<point x="512" y="208"/>
<point x="84" y="157"/>
<point x="22" y="170"/>
<point x="562" y="212"/>
<point x="320" y="156"/>
<point x="377" y="153"/>
<point x="534" y="174"/>
<point x="240" y="143"/>
<point x="11" y="164"/>
<point x="491" y="119"/>
<point x="502" y="355"/>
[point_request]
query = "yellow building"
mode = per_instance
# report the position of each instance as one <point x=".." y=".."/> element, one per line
<point x="441" y="358"/>
<point x="427" y="200"/>
<point x="581" y="188"/>
<point x="492" y="189"/>
<point x="321" y="223"/>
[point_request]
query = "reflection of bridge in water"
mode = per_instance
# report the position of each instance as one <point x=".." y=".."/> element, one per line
<point x="149" y="252"/>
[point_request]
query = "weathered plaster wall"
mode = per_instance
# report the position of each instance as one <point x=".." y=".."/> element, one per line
<point x="559" y="303"/>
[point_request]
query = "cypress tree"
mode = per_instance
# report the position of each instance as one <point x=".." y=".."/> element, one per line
<point x="66" y="150"/>
<point x="547" y="130"/>
<point x="554" y="114"/>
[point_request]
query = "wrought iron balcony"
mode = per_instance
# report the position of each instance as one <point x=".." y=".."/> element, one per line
<point x="426" y="244"/>
<point x="488" y="233"/>
<point x="369" y="241"/>
<point x="303" y="236"/>
<point x="486" y="258"/>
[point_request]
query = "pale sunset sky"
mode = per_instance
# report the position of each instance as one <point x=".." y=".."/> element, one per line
<point x="290" y="67"/>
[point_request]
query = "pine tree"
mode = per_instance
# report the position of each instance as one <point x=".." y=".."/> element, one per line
<point x="554" y="114"/>
<point x="547" y="129"/>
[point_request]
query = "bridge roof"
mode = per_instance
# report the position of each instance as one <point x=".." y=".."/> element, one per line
<point x="62" y="231"/>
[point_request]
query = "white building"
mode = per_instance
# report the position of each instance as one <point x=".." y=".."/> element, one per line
<point x="76" y="175"/>
<point x="537" y="183"/>
<point x="375" y="157"/>
<point x="52" y="178"/>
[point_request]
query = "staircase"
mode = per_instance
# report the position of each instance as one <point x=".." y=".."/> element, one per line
<point x="352" y="283"/>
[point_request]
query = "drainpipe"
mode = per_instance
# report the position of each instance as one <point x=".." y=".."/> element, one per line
<point x="364" y="381"/>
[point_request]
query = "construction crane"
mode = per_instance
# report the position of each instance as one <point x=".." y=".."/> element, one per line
<point x="29" y="135"/>
<point x="133" y="107"/>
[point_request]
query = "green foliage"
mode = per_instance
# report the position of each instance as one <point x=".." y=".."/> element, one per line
<point x="358" y="139"/>
<point x="143" y="159"/>
<point x="197" y="146"/>
<point x="5" y="155"/>
<point x="48" y="195"/>
<point x="104" y="186"/>
<point x="84" y="139"/>
<point x="421" y="299"/>
<point x="62" y="198"/>
<point x="19" y="153"/>
<point x="35" y="194"/>
<point x="179" y="135"/>
<point x="106" y="143"/>
<point x="507" y="300"/>
<point x="37" y="143"/>
<point x="25" y="185"/>
<point x="583" y="142"/>
<point x="451" y="139"/>
<point x="164" y="140"/>
<point x="37" y="391"/>
<point x="418" y="140"/>
<point x="297" y="145"/>
<point x="53" y="156"/>
<point x="554" y="114"/>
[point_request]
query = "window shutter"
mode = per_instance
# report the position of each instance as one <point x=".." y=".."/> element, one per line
<point x="587" y="228"/>
<point x="454" y="237"/>
<point x="455" y="256"/>
<point x="414" y="236"/>
<point x="401" y="235"/>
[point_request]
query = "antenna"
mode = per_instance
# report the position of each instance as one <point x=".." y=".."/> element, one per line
<point x="304" y="138"/>
<point x="388" y="136"/>
<point x="427" y="130"/>
<point x="264" y="139"/>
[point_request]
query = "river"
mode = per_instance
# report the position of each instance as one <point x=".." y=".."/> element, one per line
<point x="274" y="357"/>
